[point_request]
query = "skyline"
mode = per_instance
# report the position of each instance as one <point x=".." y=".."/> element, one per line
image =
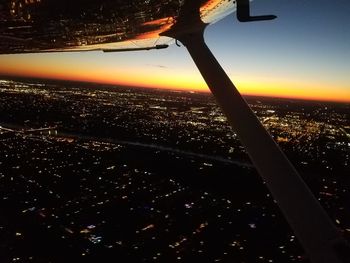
<point x="303" y="54"/>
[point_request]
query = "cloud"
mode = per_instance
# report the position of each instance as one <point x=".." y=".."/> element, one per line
<point x="157" y="66"/>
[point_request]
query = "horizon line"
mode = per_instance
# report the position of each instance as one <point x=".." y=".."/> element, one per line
<point x="197" y="90"/>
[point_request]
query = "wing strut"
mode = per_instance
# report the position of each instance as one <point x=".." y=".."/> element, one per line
<point x="320" y="238"/>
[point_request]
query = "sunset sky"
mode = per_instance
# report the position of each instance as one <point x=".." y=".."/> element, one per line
<point x="304" y="53"/>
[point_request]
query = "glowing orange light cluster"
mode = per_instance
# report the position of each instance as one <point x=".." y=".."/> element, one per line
<point x="163" y="24"/>
<point x="211" y="4"/>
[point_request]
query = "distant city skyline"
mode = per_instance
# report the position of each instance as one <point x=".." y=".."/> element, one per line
<point x="304" y="53"/>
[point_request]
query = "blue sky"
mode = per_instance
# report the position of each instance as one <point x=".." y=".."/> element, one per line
<point x="305" y="52"/>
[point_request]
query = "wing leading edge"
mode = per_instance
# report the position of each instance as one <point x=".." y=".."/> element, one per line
<point x="31" y="26"/>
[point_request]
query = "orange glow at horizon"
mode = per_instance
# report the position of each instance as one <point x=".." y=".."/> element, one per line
<point x="175" y="79"/>
<point x="303" y="91"/>
<point x="197" y="84"/>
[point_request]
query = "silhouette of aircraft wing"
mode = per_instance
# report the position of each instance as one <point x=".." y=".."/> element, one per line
<point x="29" y="26"/>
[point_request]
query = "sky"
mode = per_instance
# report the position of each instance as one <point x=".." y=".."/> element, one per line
<point x="304" y="53"/>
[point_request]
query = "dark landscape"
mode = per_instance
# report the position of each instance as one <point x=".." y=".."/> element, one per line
<point x="97" y="173"/>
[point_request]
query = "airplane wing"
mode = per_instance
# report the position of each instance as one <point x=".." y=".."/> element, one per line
<point x="31" y="26"/>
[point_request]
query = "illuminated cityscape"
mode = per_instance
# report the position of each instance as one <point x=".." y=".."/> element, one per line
<point x="97" y="173"/>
